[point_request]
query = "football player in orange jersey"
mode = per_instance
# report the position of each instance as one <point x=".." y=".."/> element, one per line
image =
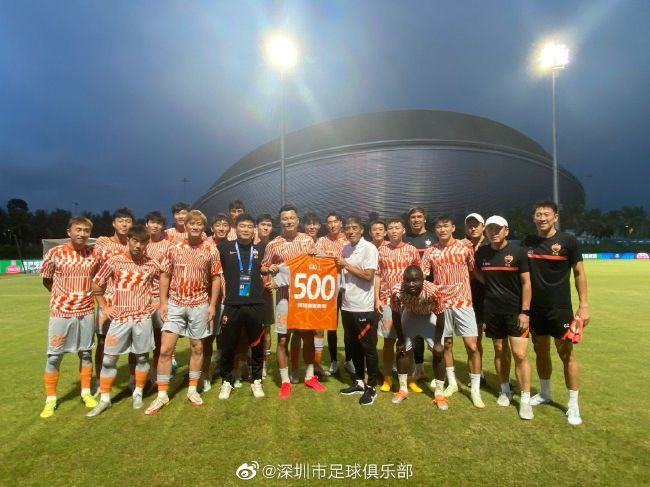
<point x="264" y="227"/>
<point x="67" y="271"/>
<point x="220" y="229"/>
<point x="106" y="247"/>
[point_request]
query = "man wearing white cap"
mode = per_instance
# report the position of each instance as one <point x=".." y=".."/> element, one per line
<point x="474" y="231"/>
<point x="504" y="270"/>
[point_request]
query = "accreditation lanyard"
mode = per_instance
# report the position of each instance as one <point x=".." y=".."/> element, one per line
<point x="244" y="277"/>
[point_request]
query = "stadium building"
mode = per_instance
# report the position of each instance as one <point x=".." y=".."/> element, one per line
<point x="386" y="162"/>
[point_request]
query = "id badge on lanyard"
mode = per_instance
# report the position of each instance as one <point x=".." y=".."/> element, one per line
<point x="244" y="277"/>
<point x="244" y="284"/>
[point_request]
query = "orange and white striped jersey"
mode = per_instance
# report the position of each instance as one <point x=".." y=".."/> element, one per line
<point x="71" y="272"/>
<point x="107" y="248"/>
<point x="383" y="243"/>
<point x="211" y="241"/>
<point x="157" y="251"/>
<point x="133" y="282"/>
<point x="391" y="264"/>
<point x="450" y="266"/>
<point x="191" y="269"/>
<point x="429" y="301"/>
<point x="281" y="249"/>
<point x="175" y="236"/>
<point x="331" y="247"/>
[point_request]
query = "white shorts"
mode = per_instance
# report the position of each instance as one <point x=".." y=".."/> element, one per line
<point x="74" y="334"/>
<point x="460" y="322"/>
<point x="187" y="321"/>
<point x="129" y="337"/>
<point x="385" y="327"/>
<point x="414" y="325"/>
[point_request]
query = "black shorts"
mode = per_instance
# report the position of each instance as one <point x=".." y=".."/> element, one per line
<point x="550" y="321"/>
<point x="269" y="310"/>
<point x="499" y="326"/>
<point x="479" y="313"/>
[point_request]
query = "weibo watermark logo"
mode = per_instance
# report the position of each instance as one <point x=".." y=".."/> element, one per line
<point x="247" y="471"/>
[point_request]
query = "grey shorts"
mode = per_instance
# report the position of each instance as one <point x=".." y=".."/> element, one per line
<point x="414" y="325"/>
<point x="187" y="321"/>
<point x="70" y="334"/>
<point x="281" y="310"/>
<point x="101" y="329"/>
<point x="386" y="328"/>
<point x="460" y="322"/>
<point x="155" y="318"/>
<point x="129" y="337"/>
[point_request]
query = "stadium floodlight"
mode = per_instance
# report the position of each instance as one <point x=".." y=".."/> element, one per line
<point x="282" y="53"/>
<point x="554" y="57"/>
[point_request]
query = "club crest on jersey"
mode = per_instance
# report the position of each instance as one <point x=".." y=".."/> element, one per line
<point x="427" y="242"/>
<point x="255" y="254"/>
<point x="556" y="247"/>
<point x="508" y="260"/>
<point x="313" y="267"/>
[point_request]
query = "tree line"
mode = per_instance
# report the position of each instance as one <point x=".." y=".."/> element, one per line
<point x="23" y="229"/>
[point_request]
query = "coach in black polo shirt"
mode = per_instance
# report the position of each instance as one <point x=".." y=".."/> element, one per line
<point x="244" y="302"/>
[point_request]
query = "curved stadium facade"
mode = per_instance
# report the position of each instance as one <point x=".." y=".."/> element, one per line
<point x="387" y="162"/>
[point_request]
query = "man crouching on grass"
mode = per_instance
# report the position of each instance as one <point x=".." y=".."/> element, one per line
<point x="189" y="293"/>
<point x="418" y="311"/>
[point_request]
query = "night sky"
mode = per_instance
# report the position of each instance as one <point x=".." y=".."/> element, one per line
<point x="109" y="104"/>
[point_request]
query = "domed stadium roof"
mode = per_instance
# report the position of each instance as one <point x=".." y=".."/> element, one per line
<point x="386" y="128"/>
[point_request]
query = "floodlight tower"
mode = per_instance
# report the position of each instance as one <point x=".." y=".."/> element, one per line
<point x="282" y="53"/>
<point x="555" y="57"/>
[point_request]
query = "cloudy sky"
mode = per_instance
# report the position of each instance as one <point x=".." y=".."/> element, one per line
<point x="107" y="104"/>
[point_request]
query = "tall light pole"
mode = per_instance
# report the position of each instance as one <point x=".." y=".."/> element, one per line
<point x="555" y="57"/>
<point x="185" y="181"/>
<point x="283" y="54"/>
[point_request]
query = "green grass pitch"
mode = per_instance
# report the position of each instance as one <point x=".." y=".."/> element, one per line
<point x="186" y="445"/>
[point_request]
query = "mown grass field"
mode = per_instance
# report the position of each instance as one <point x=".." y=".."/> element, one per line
<point x="184" y="445"/>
